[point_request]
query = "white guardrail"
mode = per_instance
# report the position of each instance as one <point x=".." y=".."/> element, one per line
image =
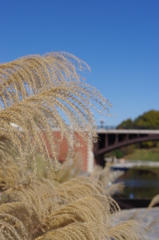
<point x="135" y="163"/>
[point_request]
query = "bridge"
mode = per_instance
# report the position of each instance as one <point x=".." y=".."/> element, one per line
<point x="111" y="139"/>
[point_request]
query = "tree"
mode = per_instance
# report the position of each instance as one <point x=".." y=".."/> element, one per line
<point x="148" y="120"/>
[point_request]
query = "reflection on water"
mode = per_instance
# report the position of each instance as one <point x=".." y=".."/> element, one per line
<point x="140" y="183"/>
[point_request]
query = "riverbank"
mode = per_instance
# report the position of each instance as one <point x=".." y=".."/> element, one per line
<point x="151" y="154"/>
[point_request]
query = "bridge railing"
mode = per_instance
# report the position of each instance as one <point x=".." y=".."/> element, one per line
<point x="106" y="127"/>
<point x="132" y="127"/>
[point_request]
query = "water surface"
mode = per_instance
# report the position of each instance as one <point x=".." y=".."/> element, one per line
<point x="140" y="182"/>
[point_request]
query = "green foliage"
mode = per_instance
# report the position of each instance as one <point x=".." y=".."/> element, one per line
<point x="118" y="153"/>
<point x="149" y="144"/>
<point x="126" y="124"/>
<point x="151" y="154"/>
<point x="149" y="120"/>
<point x="121" y="152"/>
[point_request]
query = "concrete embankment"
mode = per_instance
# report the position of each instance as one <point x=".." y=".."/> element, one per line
<point x="150" y="219"/>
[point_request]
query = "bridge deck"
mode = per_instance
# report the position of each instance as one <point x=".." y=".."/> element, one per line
<point x="128" y="131"/>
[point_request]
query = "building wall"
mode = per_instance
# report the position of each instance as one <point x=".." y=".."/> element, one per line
<point x="84" y="150"/>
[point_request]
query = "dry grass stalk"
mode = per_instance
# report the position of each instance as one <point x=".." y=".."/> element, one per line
<point x="32" y="90"/>
<point x="10" y="173"/>
<point x="9" y="177"/>
<point x="69" y="169"/>
<point x="40" y="194"/>
<point x="106" y="176"/>
<point x="153" y="202"/>
<point x="76" y="231"/>
<point x="66" y="210"/>
<point x="126" y="230"/>
<point x="146" y="225"/>
<point x="47" y="209"/>
<point x="16" y="220"/>
<point x="115" y="187"/>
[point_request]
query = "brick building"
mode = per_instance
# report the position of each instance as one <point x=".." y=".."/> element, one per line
<point x="85" y="151"/>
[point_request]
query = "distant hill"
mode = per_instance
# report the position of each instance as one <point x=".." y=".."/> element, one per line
<point x="149" y="120"/>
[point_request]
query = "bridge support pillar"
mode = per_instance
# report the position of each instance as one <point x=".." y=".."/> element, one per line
<point x="127" y="137"/>
<point x="106" y="140"/>
<point x="100" y="160"/>
<point x="116" y="139"/>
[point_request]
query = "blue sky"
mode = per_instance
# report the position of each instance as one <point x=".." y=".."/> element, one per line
<point x="118" y="39"/>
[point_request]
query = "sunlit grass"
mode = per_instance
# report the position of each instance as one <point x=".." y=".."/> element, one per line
<point x="144" y="154"/>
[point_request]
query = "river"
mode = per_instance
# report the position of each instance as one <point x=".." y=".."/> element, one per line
<point x="140" y="182"/>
